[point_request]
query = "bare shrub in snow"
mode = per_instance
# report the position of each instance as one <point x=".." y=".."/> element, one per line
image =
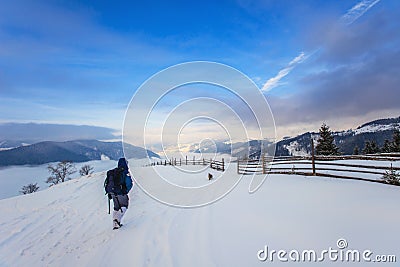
<point x="60" y="173"/>
<point x="30" y="188"/>
<point x="86" y="170"/>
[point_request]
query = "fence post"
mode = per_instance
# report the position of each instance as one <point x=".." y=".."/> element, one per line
<point x="204" y="161"/>
<point x="263" y="163"/>
<point x="180" y="162"/>
<point x="237" y="168"/>
<point x="186" y="159"/>
<point x="194" y="158"/>
<point x="223" y="165"/>
<point x="312" y="156"/>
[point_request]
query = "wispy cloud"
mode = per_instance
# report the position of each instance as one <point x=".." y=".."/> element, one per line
<point x="274" y="81"/>
<point x="347" y="19"/>
<point x="357" y="11"/>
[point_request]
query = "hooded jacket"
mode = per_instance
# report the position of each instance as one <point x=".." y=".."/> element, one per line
<point x="122" y="164"/>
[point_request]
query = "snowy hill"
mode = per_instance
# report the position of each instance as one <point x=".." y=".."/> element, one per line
<point x="68" y="224"/>
<point x="377" y="131"/>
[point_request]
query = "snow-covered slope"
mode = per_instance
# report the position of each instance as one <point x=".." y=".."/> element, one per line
<point x="68" y="224"/>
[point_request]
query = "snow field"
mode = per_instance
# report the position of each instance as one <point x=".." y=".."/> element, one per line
<point x="68" y="224"/>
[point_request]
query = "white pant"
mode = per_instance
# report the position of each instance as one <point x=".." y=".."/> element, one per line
<point x="118" y="214"/>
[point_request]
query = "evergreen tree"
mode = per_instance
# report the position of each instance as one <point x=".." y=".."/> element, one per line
<point x="367" y="148"/>
<point x="370" y="147"/>
<point x="356" y="150"/>
<point x="374" y="147"/>
<point x="396" y="141"/>
<point x="387" y="146"/>
<point x="392" y="177"/>
<point x="326" y="145"/>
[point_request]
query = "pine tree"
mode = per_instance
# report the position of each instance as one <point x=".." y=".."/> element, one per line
<point x="396" y="141"/>
<point x="326" y="145"/>
<point x="387" y="146"/>
<point x="367" y="148"/>
<point x="356" y="150"/>
<point x="392" y="176"/>
<point x="374" y="147"/>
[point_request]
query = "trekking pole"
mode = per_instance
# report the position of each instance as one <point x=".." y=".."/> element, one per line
<point x="108" y="205"/>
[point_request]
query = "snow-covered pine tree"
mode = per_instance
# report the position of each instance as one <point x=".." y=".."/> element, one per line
<point x="326" y="143"/>
<point x="391" y="176"/>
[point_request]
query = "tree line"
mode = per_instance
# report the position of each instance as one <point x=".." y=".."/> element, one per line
<point x="326" y="144"/>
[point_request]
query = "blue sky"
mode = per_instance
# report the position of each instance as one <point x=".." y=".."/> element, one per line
<point x="80" y="62"/>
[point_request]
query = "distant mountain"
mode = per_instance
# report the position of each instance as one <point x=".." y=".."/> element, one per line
<point x="238" y="149"/>
<point x="9" y="144"/>
<point x="377" y="131"/>
<point x="75" y="151"/>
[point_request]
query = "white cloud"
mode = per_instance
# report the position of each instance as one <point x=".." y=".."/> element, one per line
<point x="357" y="11"/>
<point x="352" y="15"/>
<point x="274" y="81"/>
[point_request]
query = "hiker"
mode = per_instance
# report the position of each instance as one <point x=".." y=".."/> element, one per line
<point x="118" y="183"/>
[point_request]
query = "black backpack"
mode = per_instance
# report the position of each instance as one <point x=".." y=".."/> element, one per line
<point x="115" y="182"/>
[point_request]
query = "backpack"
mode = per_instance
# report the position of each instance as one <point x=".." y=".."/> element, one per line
<point x="115" y="182"/>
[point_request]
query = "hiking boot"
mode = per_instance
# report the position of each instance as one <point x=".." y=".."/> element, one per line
<point x="117" y="224"/>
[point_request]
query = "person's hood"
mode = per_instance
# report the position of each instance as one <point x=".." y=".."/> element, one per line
<point x="123" y="164"/>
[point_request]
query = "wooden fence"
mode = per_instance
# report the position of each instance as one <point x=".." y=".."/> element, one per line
<point x="320" y="166"/>
<point x="214" y="164"/>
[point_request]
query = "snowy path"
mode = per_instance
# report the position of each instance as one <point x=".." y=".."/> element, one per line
<point x="68" y="224"/>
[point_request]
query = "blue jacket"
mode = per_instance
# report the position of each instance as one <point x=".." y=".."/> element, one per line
<point x="122" y="163"/>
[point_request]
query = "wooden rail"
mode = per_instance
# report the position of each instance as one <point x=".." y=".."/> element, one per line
<point x="318" y="166"/>
<point x="214" y="164"/>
